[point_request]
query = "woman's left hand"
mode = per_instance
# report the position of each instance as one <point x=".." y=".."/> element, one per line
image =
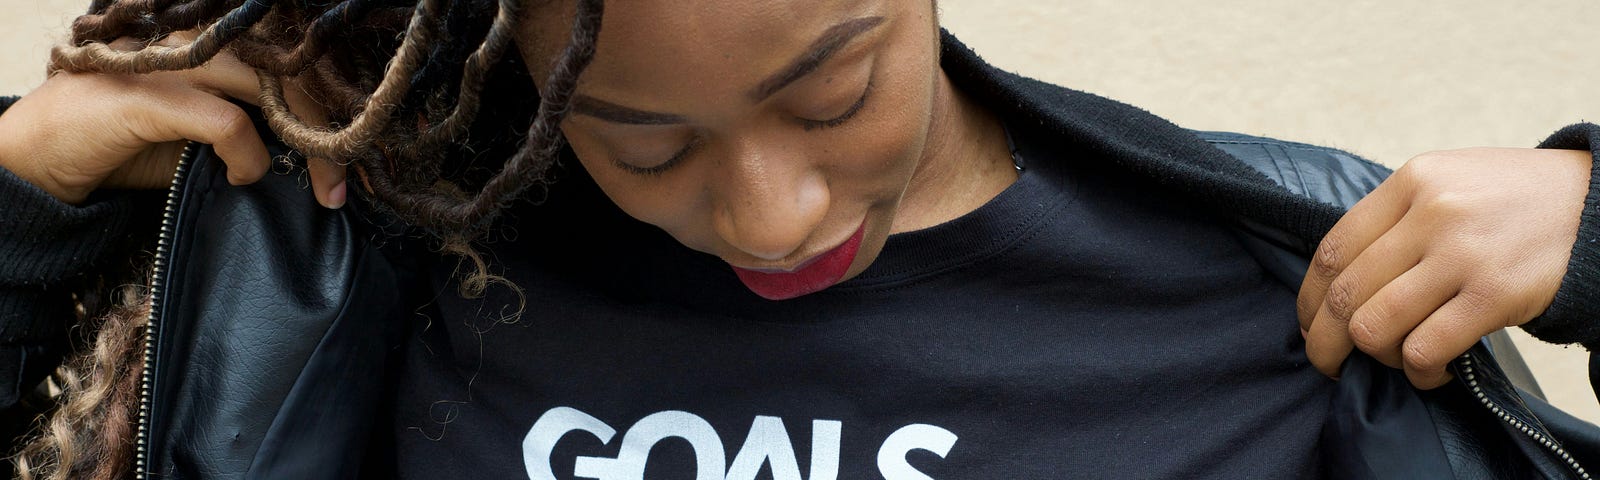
<point x="1453" y="246"/>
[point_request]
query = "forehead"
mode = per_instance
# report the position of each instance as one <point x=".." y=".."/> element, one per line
<point x="668" y="47"/>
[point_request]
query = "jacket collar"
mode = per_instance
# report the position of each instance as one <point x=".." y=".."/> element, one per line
<point x="1094" y="127"/>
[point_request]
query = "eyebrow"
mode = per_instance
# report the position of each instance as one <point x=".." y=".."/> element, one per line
<point x="828" y="44"/>
<point x="831" y="41"/>
<point x="612" y="112"/>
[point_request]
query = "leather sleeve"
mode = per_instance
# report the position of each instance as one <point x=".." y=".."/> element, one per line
<point x="1574" y="316"/>
<point x="46" y="248"/>
<point x="1326" y="174"/>
<point x="1341" y="179"/>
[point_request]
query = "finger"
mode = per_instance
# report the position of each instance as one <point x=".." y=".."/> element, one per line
<point x="327" y="177"/>
<point x="327" y="182"/>
<point x="187" y="114"/>
<point x="222" y="75"/>
<point x="1449" y="332"/>
<point x="1329" y="339"/>
<point x="225" y="75"/>
<point x="1363" y="224"/>
<point x="1381" y="325"/>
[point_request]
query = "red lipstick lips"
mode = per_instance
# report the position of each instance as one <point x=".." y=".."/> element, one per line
<point x="820" y="272"/>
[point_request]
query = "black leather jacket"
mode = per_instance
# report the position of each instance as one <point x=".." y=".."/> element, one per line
<point x="273" y="324"/>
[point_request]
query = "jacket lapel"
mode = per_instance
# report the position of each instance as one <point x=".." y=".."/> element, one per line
<point x="1099" y="129"/>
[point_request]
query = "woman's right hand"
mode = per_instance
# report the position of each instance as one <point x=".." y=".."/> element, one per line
<point x="82" y="131"/>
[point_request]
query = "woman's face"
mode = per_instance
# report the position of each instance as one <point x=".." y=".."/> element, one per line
<point x="779" y="136"/>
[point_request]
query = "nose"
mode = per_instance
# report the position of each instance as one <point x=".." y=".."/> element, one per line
<point x="767" y="205"/>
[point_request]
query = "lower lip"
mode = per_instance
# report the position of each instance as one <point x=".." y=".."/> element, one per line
<point x="819" y="273"/>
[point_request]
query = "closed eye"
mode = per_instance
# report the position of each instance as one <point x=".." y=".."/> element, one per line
<point x="688" y="148"/>
<point x="810" y="124"/>
<point x="662" y="167"/>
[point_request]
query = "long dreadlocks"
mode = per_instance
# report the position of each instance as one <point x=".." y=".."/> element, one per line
<point x="402" y="82"/>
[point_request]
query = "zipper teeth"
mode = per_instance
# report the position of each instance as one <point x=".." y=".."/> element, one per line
<point x="158" y="279"/>
<point x="164" y="249"/>
<point x="1531" y="432"/>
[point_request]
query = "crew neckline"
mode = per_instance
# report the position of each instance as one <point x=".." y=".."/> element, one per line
<point x="991" y="229"/>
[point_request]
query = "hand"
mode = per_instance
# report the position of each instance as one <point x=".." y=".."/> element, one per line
<point x="80" y="132"/>
<point x="1455" y="245"/>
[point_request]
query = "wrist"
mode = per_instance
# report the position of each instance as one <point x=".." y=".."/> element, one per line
<point x="1570" y="317"/>
<point x="15" y="159"/>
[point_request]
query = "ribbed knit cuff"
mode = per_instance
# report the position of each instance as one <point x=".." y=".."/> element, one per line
<point x="45" y="242"/>
<point x="1574" y="316"/>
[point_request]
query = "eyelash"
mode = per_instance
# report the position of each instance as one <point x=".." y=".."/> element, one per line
<point x="806" y="123"/>
<point x="837" y="121"/>
<point x="657" y="170"/>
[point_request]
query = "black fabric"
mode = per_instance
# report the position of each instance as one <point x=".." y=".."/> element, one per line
<point x="266" y="369"/>
<point x="1077" y="324"/>
<point x="1161" y="160"/>
<point x="48" y="246"/>
<point x="1374" y="415"/>
<point x="1571" y="317"/>
<point x="1139" y="142"/>
<point x="1580" y="438"/>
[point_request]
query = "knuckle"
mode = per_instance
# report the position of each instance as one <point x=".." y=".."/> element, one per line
<point x="1306" y="308"/>
<point x="1366" y="335"/>
<point x="1429" y="162"/>
<point x="234" y="124"/>
<point x="1418" y="166"/>
<point x="1450" y="204"/>
<point x="1329" y="258"/>
<point x="1341" y="299"/>
<point x="1419" y="356"/>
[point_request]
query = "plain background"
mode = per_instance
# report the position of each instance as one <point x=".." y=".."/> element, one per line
<point x="1383" y="79"/>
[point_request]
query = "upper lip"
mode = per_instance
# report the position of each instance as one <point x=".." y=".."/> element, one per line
<point x="800" y="265"/>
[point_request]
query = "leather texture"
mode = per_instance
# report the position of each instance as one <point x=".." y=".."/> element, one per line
<point x="1380" y="427"/>
<point x="275" y="318"/>
<point x="274" y="322"/>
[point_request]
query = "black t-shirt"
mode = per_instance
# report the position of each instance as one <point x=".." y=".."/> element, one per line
<point x="1078" y="325"/>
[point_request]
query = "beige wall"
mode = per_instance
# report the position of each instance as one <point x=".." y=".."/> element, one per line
<point x="1384" y="79"/>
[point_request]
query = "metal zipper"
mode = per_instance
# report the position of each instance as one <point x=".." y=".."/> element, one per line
<point x="1540" y="438"/>
<point x="158" y="280"/>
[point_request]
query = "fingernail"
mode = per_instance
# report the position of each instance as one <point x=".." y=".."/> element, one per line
<point x="336" y="196"/>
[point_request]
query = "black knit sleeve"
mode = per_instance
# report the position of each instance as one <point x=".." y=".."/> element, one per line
<point x="1574" y="316"/>
<point x="46" y="248"/>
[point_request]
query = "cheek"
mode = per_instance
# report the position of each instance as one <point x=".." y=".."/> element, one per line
<point x="888" y="144"/>
<point x="867" y="163"/>
<point x="877" y="156"/>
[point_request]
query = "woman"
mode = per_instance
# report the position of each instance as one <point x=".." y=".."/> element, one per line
<point x="887" y="255"/>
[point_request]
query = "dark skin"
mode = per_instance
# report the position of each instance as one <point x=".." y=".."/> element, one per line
<point x="80" y="132"/>
<point x="741" y="154"/>
<point x="781" y="158"/>
<point x="1432" y="260"/>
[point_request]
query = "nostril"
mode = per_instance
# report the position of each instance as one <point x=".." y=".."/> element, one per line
<point x="766" y="243"/>
<point x="766" y="237"/>
<point x="772" y="215"/>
